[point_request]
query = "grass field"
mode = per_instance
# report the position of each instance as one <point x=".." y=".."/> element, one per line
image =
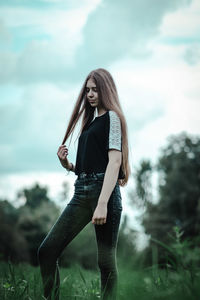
<point x="23" y="282"/>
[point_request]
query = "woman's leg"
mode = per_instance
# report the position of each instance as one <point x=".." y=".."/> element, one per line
<point x="107" y="237"/>
<point x="72" y="220"/>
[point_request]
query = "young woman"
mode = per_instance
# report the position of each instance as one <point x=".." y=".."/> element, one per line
<point x="102" y="166"/>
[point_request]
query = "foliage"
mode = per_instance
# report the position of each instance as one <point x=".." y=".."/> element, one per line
<point x="10" y="235"/>
<point x="143" y="176"/>
<point x="179" y="280"/>
<point x="179" y="186"/>
<point x="34" y="196"/>
<point x="23" y="229"/>
<point x="178" y="168"/>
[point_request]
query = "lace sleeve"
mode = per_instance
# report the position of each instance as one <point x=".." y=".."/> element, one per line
<point x="114" y="131"/>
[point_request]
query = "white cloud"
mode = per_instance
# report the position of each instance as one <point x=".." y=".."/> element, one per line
<point x="44" y="41"/>
<point x="164" y="83"/>
<point x="13" y="183"/>
<point x="131" y="26"/>
<point x="40" y="119"/>
<point x="182" y="22"/>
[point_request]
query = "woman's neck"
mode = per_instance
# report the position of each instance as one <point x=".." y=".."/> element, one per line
<point x="100" y="111"/>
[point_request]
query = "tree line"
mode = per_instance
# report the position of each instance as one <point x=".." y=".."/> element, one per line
<point x="22" y="229"/>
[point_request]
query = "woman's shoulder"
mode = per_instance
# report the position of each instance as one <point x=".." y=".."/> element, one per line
<point x="113" y="115"/>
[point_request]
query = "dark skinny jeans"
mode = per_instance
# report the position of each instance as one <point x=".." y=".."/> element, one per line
<point x="77" y="214"/>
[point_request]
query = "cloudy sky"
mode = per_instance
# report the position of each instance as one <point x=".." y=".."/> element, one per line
<point x="47" y="48"/>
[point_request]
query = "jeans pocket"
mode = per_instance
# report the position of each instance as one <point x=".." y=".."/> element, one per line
<point x="99" y="182"/>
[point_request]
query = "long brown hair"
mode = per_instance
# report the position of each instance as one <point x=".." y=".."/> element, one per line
<point x="109" y="100"/>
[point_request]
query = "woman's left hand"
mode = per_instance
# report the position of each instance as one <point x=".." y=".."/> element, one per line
<point x="100" y="213"/>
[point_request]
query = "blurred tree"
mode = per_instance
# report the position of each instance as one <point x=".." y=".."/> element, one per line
<point x="127" y="245"/>
<point x="143" y="192"/>
<point x="23" y="229"/>
<point x="65" y="191"/>
<point x="34" y="196"/>
<point x="13" y="245"/>
<point x="179" y="189"/>
<point x="36" y="217"/>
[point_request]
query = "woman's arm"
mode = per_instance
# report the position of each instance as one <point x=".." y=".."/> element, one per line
<point x="71" y="167"/>
<point x="62" y="155"/>
<point x="111" y="175"/>
<point x="110" y="179"/>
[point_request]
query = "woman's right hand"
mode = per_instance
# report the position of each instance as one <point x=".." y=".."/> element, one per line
<point x="62" y="155"/>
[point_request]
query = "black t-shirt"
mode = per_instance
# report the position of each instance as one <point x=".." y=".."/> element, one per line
<point x="102" y="134"/>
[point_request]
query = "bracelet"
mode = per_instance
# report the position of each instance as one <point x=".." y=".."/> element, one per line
<point x="71" y="169"/>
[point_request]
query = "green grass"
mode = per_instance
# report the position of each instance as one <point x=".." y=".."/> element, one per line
<point x="23" y="282"/>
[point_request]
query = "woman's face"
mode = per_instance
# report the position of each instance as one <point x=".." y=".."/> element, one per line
<point x="91" y="92"/>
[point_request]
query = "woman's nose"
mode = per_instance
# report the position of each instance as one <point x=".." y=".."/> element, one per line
<point x="90" y="93"/>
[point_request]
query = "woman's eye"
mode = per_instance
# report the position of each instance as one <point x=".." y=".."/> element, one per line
<point x="94" y="89"/>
